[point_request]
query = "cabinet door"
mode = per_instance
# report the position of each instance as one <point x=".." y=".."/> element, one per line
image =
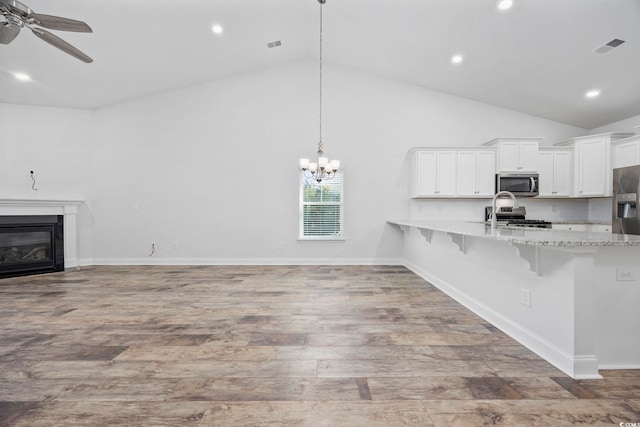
<point x="592" y="168"/>
<point x="509" y="153"/>
<point x="546" y="173"/>
<point x="467" y="173"/>
<point x="627" y="154"/>
<point x="486" y="173"/>
<point x="425" y="174"/>
<point x="528" y="156"/>
<point x="446" y="173"/>
<point x="562" y="173"/>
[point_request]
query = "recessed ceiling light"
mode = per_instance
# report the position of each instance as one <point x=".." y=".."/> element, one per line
<point x="593" y="93"/>
<point x="456" y="59"/>
<point x="505" y="4"/>
<point x="22" y="77"/>
<point x="217" y="29"/>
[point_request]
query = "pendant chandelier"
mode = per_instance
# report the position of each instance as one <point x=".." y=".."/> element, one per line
<point x="323" y="168"/>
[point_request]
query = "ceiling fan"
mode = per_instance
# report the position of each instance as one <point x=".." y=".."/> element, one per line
<point x="18" y="15"/>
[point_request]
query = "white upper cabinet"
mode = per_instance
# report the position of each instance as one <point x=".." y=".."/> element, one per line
<point x="516" y="154"/>
<point x="578" y="167"/>
<point x="593" y="168"/>
<point x="554" y="168"/>
<point x="476" y="173"/>
<point x="592" y="163"/>
<point x="434" y="173"/>
<point x="626" y="152"/>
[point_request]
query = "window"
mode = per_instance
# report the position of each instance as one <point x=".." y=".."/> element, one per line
<point x="321" y="210"/>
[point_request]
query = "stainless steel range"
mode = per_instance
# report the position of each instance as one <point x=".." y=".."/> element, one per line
<point x="514" y="217"/>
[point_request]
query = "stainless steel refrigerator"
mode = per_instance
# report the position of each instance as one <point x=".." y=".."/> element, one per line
<point x="626" y="188"/>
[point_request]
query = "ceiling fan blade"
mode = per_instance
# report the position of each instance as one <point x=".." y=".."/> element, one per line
<point x="8" y="32"/>
<point x="59" y="23"/>
<point x="61" y="44"/>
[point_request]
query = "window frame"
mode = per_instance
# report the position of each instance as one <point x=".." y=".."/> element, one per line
<point x="302" y="204"/>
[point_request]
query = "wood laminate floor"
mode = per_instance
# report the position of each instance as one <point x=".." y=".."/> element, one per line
<point x="274" y="346"/>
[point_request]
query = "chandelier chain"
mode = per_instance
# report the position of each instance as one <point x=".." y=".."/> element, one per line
<point x="320" y="109"/>
<point x="323" y="168"/>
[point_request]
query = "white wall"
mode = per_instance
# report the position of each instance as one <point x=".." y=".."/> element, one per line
<point x="630" y="125"/>
<point x="56" y="144"/>
<point x="213" y="167"/>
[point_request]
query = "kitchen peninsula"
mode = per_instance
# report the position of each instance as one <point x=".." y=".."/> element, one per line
<point x="572" y="297"/>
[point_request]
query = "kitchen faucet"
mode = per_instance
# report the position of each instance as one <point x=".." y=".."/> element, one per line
<point x="495" y="209"/>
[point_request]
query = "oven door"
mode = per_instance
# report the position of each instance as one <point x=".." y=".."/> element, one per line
<point x="522" y="185"/>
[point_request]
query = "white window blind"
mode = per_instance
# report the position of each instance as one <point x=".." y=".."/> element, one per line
<point x="321" y="212"/>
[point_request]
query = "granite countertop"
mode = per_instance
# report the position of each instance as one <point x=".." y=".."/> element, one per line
<point x="582" y="222"/>
<point x="523" y="235"/>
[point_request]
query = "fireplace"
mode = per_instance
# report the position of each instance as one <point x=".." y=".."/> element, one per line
<point x="31" y="244"/>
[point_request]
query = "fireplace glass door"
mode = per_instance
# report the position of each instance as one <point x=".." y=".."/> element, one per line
<point x="30" y="246"/>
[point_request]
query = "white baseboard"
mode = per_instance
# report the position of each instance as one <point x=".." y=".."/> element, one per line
<point x="620" y="366"/>
<point x="582" y="367"/>
<point x="242" y="261"/>
<point x="87" y="262"/>
<point x="71" y="263"/>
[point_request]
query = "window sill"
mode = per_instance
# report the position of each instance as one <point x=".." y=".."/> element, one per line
<point x="321" y="239"/>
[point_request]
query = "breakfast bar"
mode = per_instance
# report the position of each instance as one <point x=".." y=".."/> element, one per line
<point x="571" y="297"/>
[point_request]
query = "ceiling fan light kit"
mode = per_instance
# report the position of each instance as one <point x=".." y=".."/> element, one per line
<point x="18" y="16"/>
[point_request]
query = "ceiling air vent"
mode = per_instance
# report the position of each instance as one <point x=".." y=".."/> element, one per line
<point x="274" y="44"/>
<point x="609" y="46"/>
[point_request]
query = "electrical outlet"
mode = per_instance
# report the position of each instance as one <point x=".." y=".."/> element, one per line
<point x="525" y="297"/>
<point x="624" y="275"/>
<point x="175" y="244"/>
<point x="280" y="245"/>
<point x="159" y="245"/>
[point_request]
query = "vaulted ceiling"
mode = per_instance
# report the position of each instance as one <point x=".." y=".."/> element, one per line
<point x="537" y="57"/>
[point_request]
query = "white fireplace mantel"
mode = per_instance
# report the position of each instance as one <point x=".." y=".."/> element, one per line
<point x="68" y="207"/>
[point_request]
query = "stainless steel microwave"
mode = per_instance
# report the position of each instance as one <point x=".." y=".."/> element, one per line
<point x="521" y="185"/>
